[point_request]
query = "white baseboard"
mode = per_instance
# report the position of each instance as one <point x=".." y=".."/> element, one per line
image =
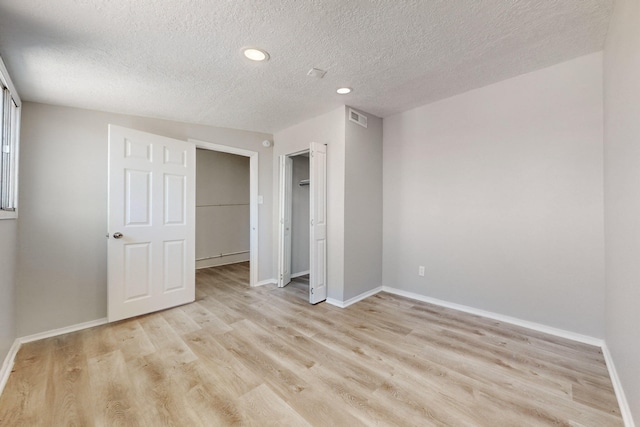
<point x="585" y="339"/>
<point x="302" y="273"/>
<point x="625" y="410"/>
<point x="208" y="264"/>
<point x="335" y="302"/>
<point x="7" y="365"/>
<point x="266" y="282"/>
<point x="347" y="303"/>
<point x="62" y="331"/>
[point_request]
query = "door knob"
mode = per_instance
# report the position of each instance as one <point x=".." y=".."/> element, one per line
<point x="117" y="235"/>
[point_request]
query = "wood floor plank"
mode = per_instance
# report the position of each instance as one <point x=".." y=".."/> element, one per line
<point x="514" y="337"/>
<point x="69" y="376"/>
<point x="129" y="337"/>
<point x="458" y="341"/>
<point x="242" y="356"/>
<point x="112" y="392"/>
<point x="410" y="396"/>
<point x="219" y="366"/>
<point x="279" y="377"/>
<point x="180" y="321"/>
<point x="274" y="346"/>
<point x="222" y="310"/>
<point x="369" y="408"/>
<point x="262" y="407"/>
<point x="26" y="390"/>
<point x="166" y="341"/>
<point x="160" y="397"/>
<point x="340" y="362"/>
<point x="489" y="362"/>
<point x="204" y="318"/>
<point x="529" y="398"/>
<point x="285" y="381"/>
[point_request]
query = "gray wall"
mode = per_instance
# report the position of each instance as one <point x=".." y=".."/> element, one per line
<point x="300" y="216"/>
<point x="8" y="229"/>
<point x="363" y="206"/>
<point x="327" y="129"/>
<point x="354" y="192"/>
<point x="62" y="257"/>
<point x="222" y="207"/>
<point x="498" y="192"/>
<point x="622" y="195"/>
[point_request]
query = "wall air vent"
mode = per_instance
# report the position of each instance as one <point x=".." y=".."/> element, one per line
<point x="360" y="119"/>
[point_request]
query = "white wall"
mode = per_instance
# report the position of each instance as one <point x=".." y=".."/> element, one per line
<point x="327" y="129"/>
<point x="499" y="193"/>
<point x="8" y="229"/>
<point x="363" y="206"/>
<point x="62" y="273"/>
<point x="622" y="195"/>
<point x="300" y="216"/>
<point x="222" y="207"/>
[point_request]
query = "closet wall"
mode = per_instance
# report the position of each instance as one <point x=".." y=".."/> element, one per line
<point x="300" y="216"/>
<point x="222" y="208"/>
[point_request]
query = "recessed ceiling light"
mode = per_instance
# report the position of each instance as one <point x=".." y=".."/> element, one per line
<point x="256" y="54"/>
<point x="344" y="90"/>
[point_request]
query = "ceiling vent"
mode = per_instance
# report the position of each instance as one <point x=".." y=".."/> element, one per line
<point x="316" y="72"/>
<point x="358" y="118"/>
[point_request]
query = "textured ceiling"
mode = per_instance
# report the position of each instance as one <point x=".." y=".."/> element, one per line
<point x="181" y="60"/>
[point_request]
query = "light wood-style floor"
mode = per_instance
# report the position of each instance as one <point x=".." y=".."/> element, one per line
<point x="264" y="356"/>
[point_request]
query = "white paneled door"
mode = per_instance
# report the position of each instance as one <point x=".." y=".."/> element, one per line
<point x="151" y="246"/>
<point x="318" y="209"/>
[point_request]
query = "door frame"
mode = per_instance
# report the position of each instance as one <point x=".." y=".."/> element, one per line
<point x="253" y="199"/>
<point x="281" y="206"/>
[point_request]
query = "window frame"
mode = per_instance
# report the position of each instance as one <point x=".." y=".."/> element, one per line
<point x="14" y="129"/>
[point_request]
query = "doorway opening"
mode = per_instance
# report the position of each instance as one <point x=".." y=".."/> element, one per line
<point x="297" y="220"/>
<point x="222" y="208"/>
<point x="302" y="237"/>
<point x="233" y="238"/>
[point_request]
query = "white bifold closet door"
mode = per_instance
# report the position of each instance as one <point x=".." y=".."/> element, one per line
<point x="318" y="223"/>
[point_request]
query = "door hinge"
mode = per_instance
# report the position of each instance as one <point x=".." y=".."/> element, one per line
<point x="311" y="154"/>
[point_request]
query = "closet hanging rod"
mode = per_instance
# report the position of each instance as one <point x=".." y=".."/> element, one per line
<point x="303" y="182"/>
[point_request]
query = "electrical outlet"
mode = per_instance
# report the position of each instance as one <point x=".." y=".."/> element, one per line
<point x="421" y="270"/>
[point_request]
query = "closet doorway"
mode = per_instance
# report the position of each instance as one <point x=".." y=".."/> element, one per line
<point x="226" y="206"/>
<point x="297" y="218"/>
<point x="302" y="242"/>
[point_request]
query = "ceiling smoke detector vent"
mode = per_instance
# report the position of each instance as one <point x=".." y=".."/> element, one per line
<point x="358" y="118"/>
<point x="316" y="72"/>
